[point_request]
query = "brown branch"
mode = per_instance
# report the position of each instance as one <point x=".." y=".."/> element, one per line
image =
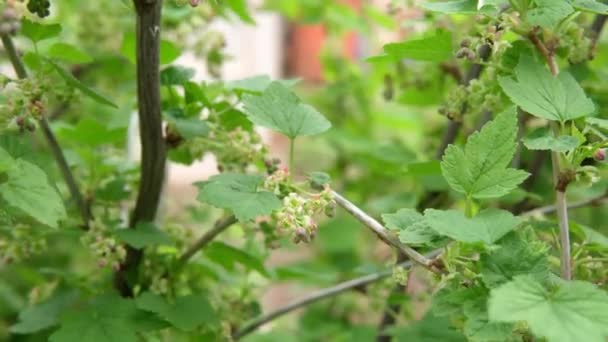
<point x="151" y="134"/>
<point x="56" y="150"/>
<point x="314" y="297"/>
<point x="596" y="31"/>
<point x="206" y="238"/>
<point x="384" y="234"/>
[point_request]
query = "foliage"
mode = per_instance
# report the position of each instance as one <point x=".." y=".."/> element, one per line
<point x="497" y="202"/>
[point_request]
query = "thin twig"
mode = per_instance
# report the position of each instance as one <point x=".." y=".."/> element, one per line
<point x="594" y="201"/>
<point x="153" y="147"/>
<point x="207" y="237"/>
<point x="322" y="294"/>
<point x="596" y="31"/>
<point x="383" y="233"/>
<point x="56" y="150"/>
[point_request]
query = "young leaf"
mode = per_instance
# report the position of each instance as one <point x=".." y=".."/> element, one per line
<point x="541" y="94"/>
<point x="227" y="255"/>
<point x="144" y="234"/>
<point x="239" y="193"/>
<point x="68" y="53"/>
<point x="592" y="6"/>
<point x="256" y="84"/>
<point x="450" y="7"/>
<point x="411" y="226"/>
<point x="108" y="318"/>
<point x="548" y="13"/>
<point x="516" y="256"/>
<point x="176" y="75"/>
<point x="481" y="169"/>
<point x="37" y="32"/>
<point x="488" y="226"/>
<point x="433" y="48"/>
<point x="28" y="190"/>
<point x="74" y="82"/>
<point x="185" y="313"/>
<point x="281" y="110"/>
<point x="43" y="316"/>
<point x="574" y="311"/>
<point x="544" y="140"/>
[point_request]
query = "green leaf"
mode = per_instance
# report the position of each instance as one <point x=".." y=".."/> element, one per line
<point x="516" y="256"/>
<point x="319" y="180"/>
<point x="107" y="318"/>
<point x="411" y="225"/>
<point x="92" y="133"/>
<point x="433" y="48"/>
<point x="42" y="316"/>
<point x="590" y="6"/>
<point x="451" y="7"/>
<point x="37" y="32"/>
<point x="256" y="84"/>
<point x="481" y="169"/>
<point x="279" y="109"/>
<point x="227" y="255"/>
<point x="74" y="82"/>
<point x="478" y="328"/>
<point x="6" y="161"/>
<point x="28" y="190"/>
<point x="548" y="13"/>
<point x="239" y="7"/>
<point x="169" y="52"/>
<point x="68" y="53"/>
<point x="185" y="313"/>
<point x="488" y="226"/>
<point x="543" y="140"/>
<point x="188" y="128"/>
<point x="144" y="235"/>
<point x="429" y="329"/>
<point x="176" y="75"/>
<point x="597" y="122"/>
<point x="238" y="193"/>
<point x="573" y="311"/>
<point x="541" y="94"/>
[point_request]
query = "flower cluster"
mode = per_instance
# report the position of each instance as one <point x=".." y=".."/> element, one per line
<point x="108" y="251"/>
<point x="24" y="104"/>
<point x="576" y="43"/>
<point x="297" y="214"/>
<point x="274" y="181"/>
<point x="20" y="242"/>
<point x="10" y="19"/>
<point x="234" y="150"/>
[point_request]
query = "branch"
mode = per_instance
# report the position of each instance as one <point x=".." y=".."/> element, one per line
<point x="153" y="154"/>
<point x="383" y="233"/>
<point x="207" y="237"/>
<point x="596" y="31"/>
<point x="322" y="294"/>
<point x="561" y="180"/>
<point x="454" y="126"/>
<point x="594" y="201"/>
<point x="50" y="137"/>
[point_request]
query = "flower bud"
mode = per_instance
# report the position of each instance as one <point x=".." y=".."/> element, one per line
<point x="600" y="155"/>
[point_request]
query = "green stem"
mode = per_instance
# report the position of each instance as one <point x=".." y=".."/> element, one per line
<point x="468" y="207"/>
<point x="561" y="202"/>
<point x="291" y="157"/>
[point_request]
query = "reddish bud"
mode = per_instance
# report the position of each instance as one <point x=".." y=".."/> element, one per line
<point x="194" y="3"/>
<point x="600" y="155"/>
